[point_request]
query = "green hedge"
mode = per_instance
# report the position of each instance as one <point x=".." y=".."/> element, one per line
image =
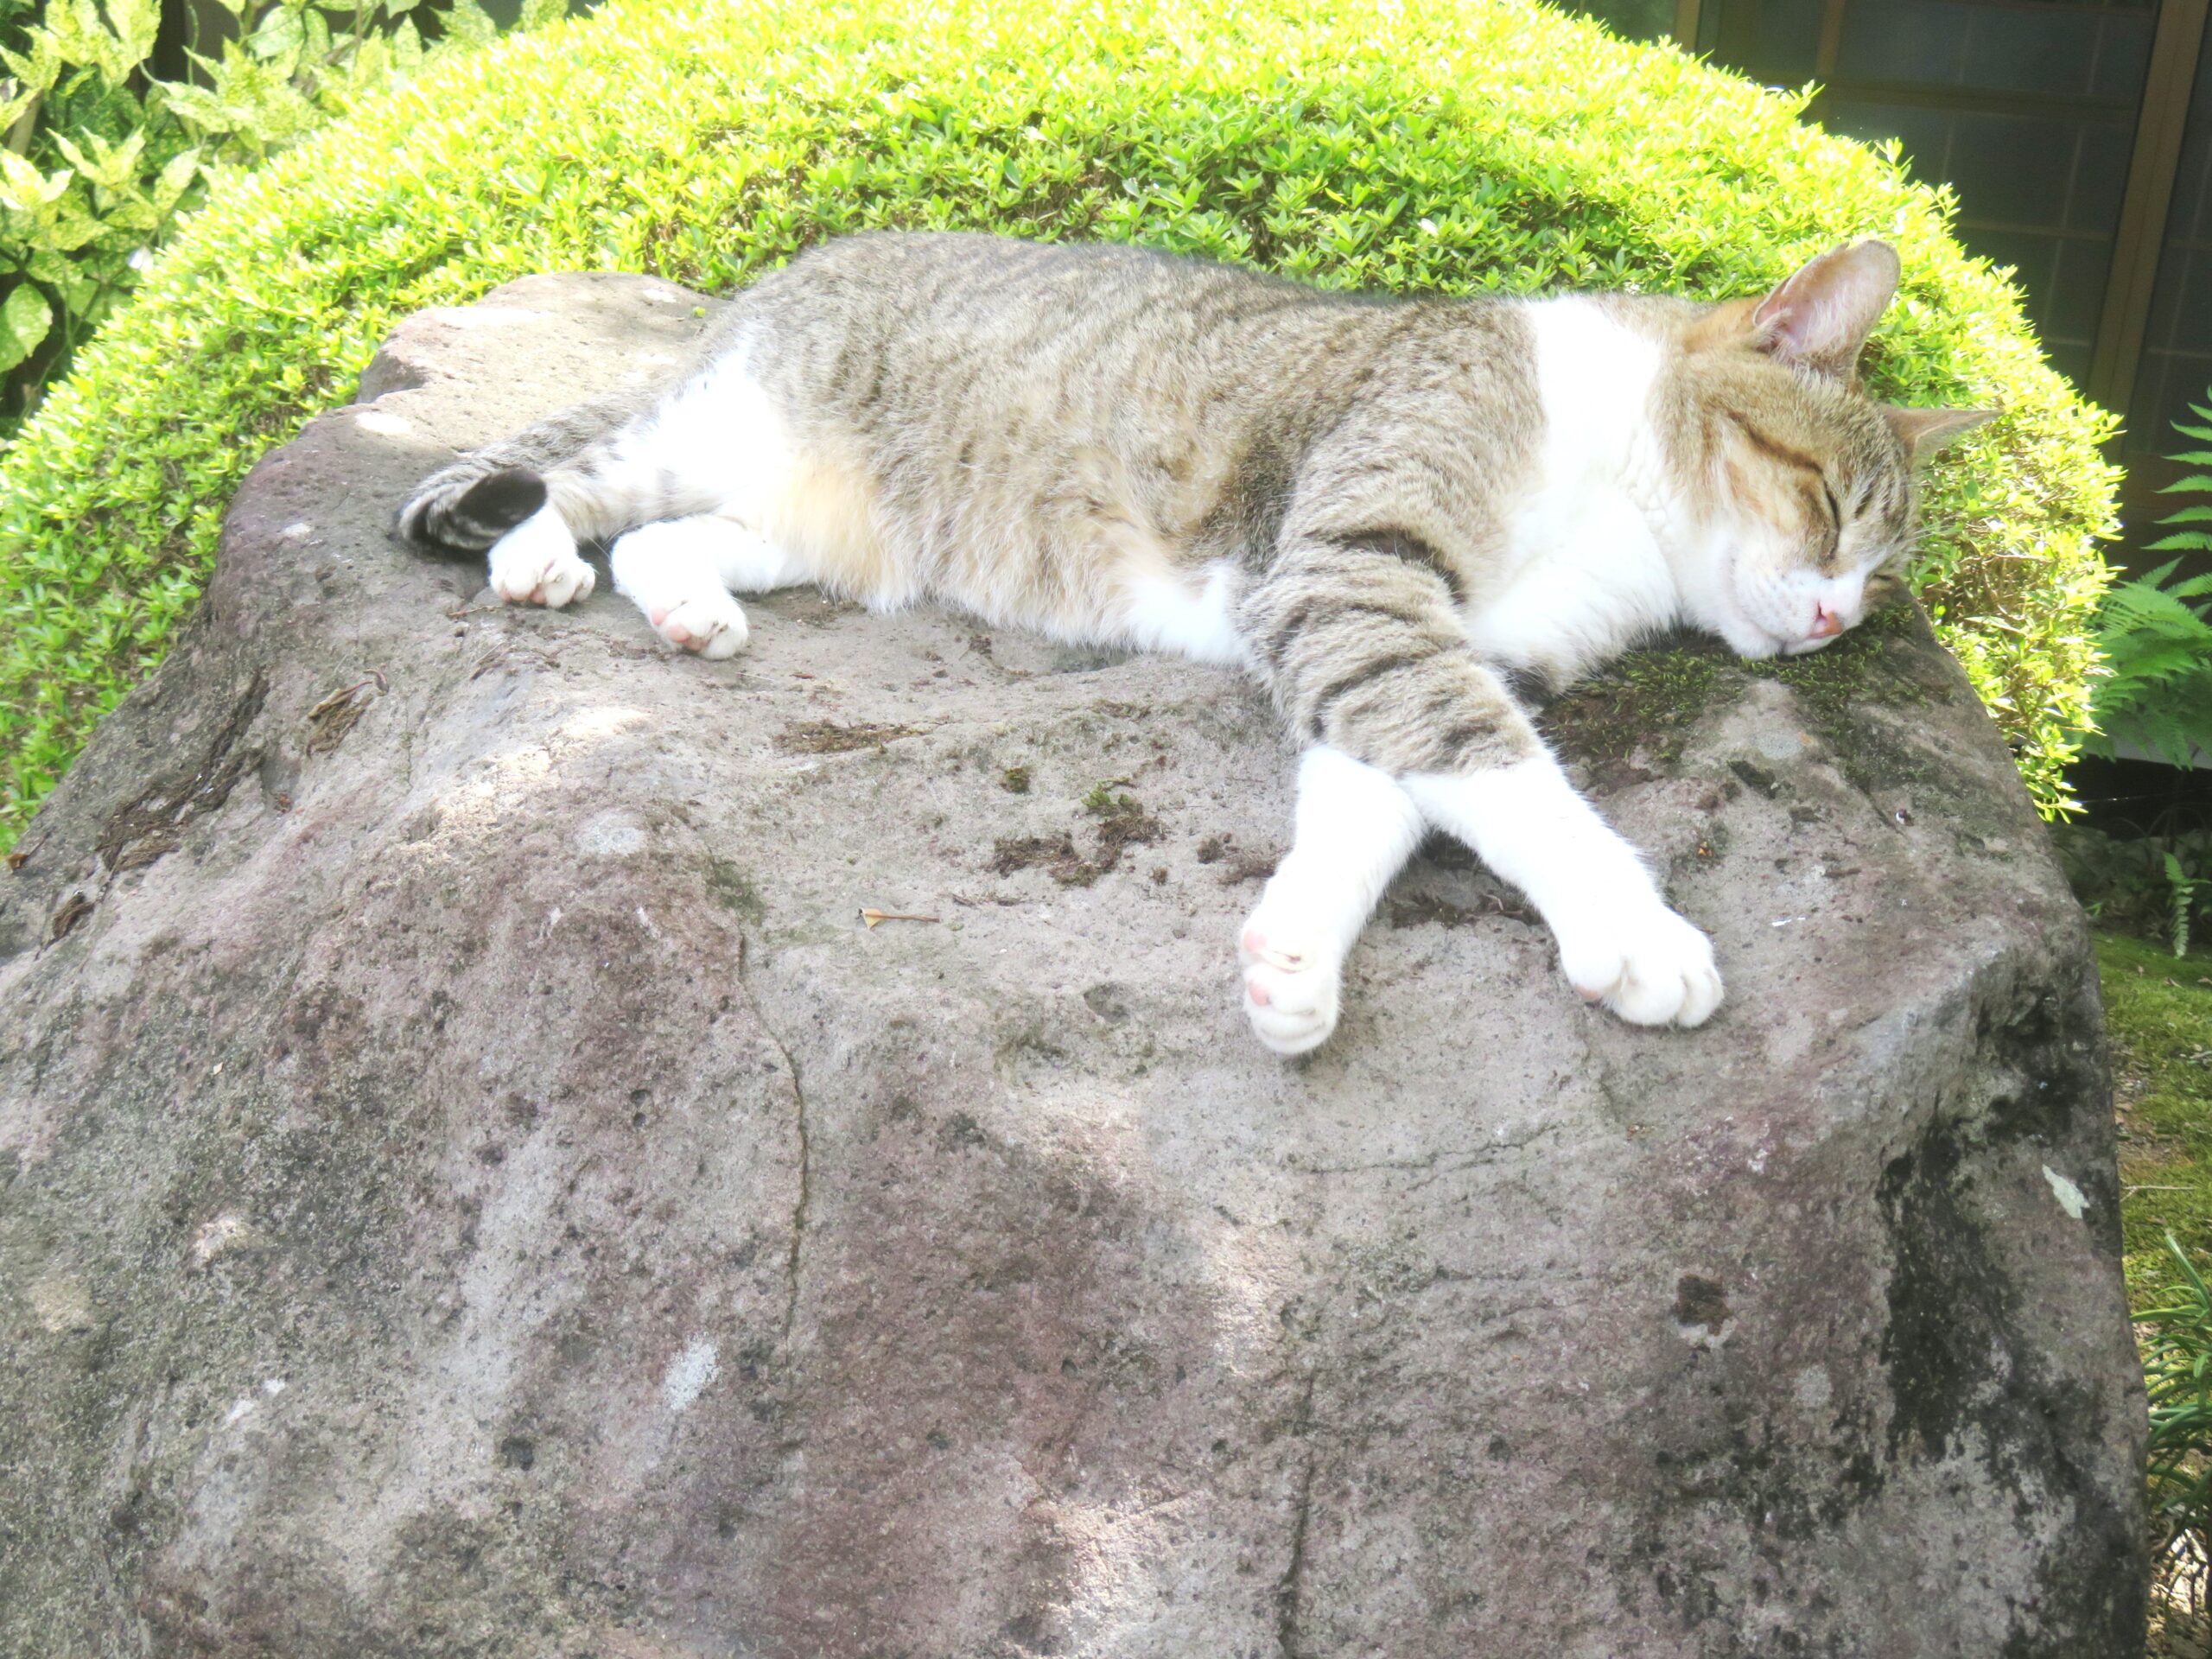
<point x="1482" y="144"/>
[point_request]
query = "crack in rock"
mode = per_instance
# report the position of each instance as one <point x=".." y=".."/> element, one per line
<point x="805" y="1162"/>
<point x="1290" y="1589"/>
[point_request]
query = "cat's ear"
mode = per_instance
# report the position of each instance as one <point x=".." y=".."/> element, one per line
<point x="1820" y="317"/>
<point x="1924" y="431"/>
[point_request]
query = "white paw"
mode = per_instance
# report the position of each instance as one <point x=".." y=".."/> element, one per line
<point x="1645" y="963"/>
<point x="1291" y="979"/>
<point x="713" y="625"/>
<point x="536" y="563"/>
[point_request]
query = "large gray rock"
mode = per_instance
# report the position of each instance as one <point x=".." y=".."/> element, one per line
<point x="471" y="1184"/>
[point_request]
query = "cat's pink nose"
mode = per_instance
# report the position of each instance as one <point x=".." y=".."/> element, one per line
<point x="1826" y="623"/>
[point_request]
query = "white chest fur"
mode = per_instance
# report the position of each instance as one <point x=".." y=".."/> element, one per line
<point x="1585" y="573"/>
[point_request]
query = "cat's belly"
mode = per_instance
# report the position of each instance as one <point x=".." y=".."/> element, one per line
<point x="806" y="486"/>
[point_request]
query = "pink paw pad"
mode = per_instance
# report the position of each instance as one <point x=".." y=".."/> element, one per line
<point x="1257" y="947"/>
<point x="677" y="635"/>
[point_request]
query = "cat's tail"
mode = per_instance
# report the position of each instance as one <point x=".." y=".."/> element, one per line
<point x="464" y="510"/>
<point x="465" y="507"/>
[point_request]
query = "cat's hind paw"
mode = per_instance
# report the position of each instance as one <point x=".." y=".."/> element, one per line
<point x="1292" y="989"/>
<point x="536" y="564"/>
<point x="709" y="625"/>
<point x="1654" y="969"/>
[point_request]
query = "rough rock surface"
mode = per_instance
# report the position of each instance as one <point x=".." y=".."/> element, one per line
<point x="471" y="1184"/>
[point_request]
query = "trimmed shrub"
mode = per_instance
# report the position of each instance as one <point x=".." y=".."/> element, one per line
<point x="101" y="157"/>
<point x="1469" y="145"/>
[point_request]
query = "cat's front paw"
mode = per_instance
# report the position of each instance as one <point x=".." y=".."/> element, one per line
<point x="536" y="564"/>
<point x="711" y="624"/>
<point x="1647" y="964"/>
<point x="1291" y="983"/>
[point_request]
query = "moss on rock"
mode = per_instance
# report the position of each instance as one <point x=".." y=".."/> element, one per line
<point x="1648" y="703"/>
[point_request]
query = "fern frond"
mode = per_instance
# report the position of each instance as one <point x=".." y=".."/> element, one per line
<point x="2138" y="608"/>
<point x="2155" y="636"/>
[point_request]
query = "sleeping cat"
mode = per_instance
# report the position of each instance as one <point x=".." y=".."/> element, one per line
<point x="1379" y="508"/>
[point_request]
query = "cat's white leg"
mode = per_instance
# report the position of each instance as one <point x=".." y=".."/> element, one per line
<point x="536" y="563"/>
<point x="1619" y="943"/>
<point x="679" y="572"/>
<point x="748" y="562"/>
<point x="1356" y="828"/>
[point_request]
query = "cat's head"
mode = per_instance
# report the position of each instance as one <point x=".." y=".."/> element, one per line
<point x="1802" y="484"/>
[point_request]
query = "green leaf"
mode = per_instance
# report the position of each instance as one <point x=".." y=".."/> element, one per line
<point x="70" y="228"/>
<point x="84" y="37"/>
<point x="111" y="167"/>
<point x="24" y="189"/>
<point x="137" y="22"/>
<point x="26" y="319"/>
<point x="176" y="176"/>
<point x="279" y="38"/>
<point x="468" y="24"/>
<point x="198" y="106"/>
<point x="38" y="69"/>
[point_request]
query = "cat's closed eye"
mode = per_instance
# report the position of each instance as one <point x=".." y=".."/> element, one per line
<point x="1828" y="530"/>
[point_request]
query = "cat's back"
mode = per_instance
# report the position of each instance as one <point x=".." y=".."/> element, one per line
<point x="903" y="322"/>
<point x="951" y="275"/>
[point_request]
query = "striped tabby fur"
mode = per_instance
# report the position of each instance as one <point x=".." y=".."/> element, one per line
<point x="1381" y="508"/>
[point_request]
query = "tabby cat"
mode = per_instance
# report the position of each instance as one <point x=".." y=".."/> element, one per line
<point x="1382" y="508"/>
